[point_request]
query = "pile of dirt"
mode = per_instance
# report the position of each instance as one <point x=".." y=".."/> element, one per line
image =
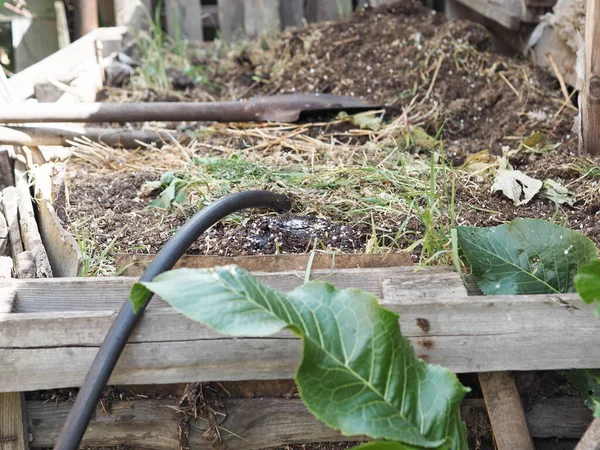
<point x="441" y="76"/>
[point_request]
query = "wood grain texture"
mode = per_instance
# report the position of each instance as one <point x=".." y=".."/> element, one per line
<point x="329" y="10"/>
<point x="463" y="333"/>
<point x="184" y="19"/>
<point x="64" y="64"/>
<point x="6" y="171"/>
<point x="231" y="19"/>
<point x="508" y="14"/>
<point x="13" y="431"/>
<point x="563" y="417"/>
<point x="261" y="17"/>
<point x="261" y="423"/>
<point x="590" y="96"/>
<point x="10" y="208"/>
<point x="291" y="13"/>
<point x="134" y="265"/>
<point x="591" y="438"/>
<point x="32" y="241"/>
<point x="60" y="245"/>
<point x="108" y="294"/>
<point x="505" y="411"/>
<point x="4" y="240"/>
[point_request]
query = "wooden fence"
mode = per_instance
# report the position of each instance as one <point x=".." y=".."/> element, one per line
<point x="237" y="18"/>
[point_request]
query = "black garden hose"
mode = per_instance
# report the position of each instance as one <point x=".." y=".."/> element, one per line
<point x="114" y="342"/>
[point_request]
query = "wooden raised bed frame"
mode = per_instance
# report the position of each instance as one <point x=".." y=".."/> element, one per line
<point x="58" y="325"/>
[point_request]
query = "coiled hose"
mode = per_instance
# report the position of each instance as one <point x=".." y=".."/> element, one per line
<point x="114" y="342"/>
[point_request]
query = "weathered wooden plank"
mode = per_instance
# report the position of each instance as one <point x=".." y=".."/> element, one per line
<point x="562" y="417"/>
<point x="184" y="19"/>
<point x="134" y="265"/>
<point x="13" y="425"/>
<point x="591" y="438"/>
<point x="507" y="15"/>
<point x="62" y="249"/>
<point x="333" y="9"/>
<point x="32" y="241"/>
<point x="102" y="294"/>
<point x="381" y="2"/>
<point x="590" y="96"/>
<point x="261" y="423"/>
<point x="65" y="64"/>
<point x="465" y="334"/>
<point x="8" y="297"/>
<point x="4" y="248"/>
<point x="261" y="17"/>
<point x="505" y="411"/>
<point x="6" y="267"/>
<point x="10" y="207"/>
<point x="503" y="401"/>
<point x="6" y="170"/>
<point x="291" y="13"/>
<point x="133" y="14"/>
<point x="231" y="19"/>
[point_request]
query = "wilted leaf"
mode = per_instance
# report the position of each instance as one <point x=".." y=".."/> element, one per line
<point x="358" y="373"/>
<point x="558" y="193"/>
<point x="525" y="256"/>
<point x="421" y="139"/>
<point x="370" y="120"/>
<point x="536" y="143"/>
<point x="517" y="186"/>
<point x="482" y="165"/>
<point x="534" y="139"/>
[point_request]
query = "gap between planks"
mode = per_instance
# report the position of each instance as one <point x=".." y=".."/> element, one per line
<point x="262" y="423"/>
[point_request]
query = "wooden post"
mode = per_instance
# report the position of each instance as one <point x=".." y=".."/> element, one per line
<point x="333" y="9"/>
<point x="231" y="19"/>
<point x="86" y="17"/>
<point x="291" y="13"/>
<point x="591" y="438"/>
<point x="62" y="26"/>
<point x="184" y="19"/>
<point x="381" y="2"/>
<point x="503" y="402"/>
<point x="505" y="411"/>
<point x="13" y="424"/>
<point x="590" y="97"/>
<point x="261" y="16"/>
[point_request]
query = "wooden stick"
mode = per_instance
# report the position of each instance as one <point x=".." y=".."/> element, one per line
<point x="590" y="97"/>
<point x="505" y="411"/>
<point x="591" y="438"/>
<point x="503" y="403"/>
<point x="30" y="234"/>
<point x="10" y="207"/>
<point x="64" y="136"/>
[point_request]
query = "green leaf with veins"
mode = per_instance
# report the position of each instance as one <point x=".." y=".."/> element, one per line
<point x="525" y="256"/>
<point x="587" y="283"/>
<point x="358" y="373"/>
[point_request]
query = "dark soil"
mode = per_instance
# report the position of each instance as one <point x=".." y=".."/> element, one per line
<point x="388" y="56"/>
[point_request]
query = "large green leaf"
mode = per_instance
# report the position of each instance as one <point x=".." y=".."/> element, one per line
<point x="384" y="445"/>
<point x="358" y="373"/>
<point x="587" y="283"/>
<point x="525" y="256"/>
